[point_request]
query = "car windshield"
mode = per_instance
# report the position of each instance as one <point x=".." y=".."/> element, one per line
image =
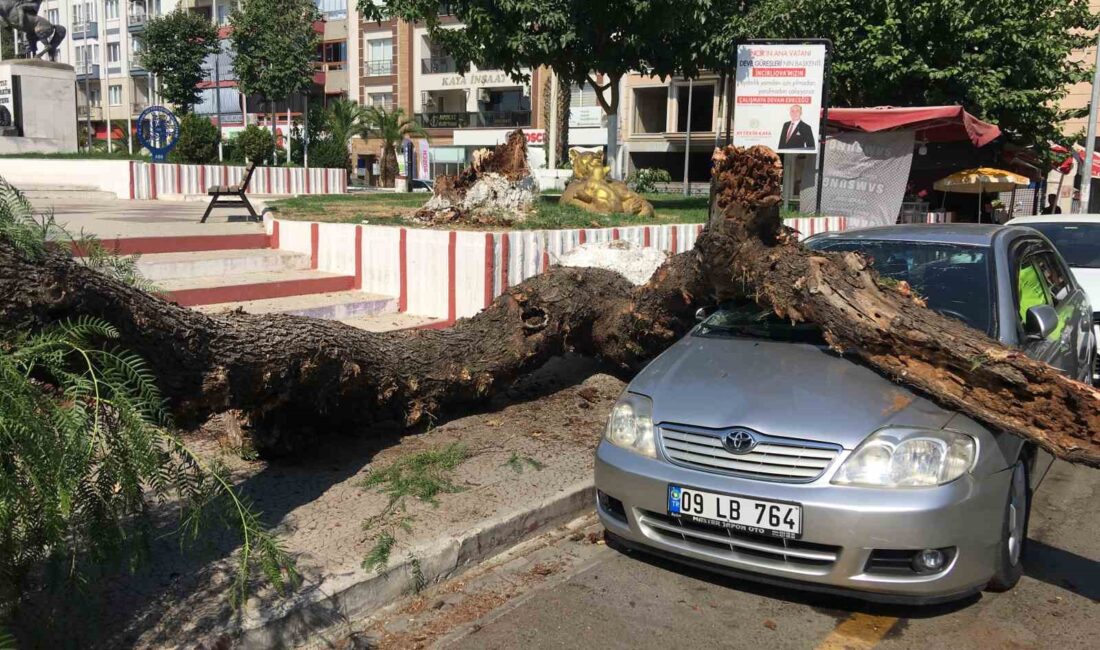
<point x="1079" y="243"/>
<point x="954" y="279"/>
<point x="746" y="318"/>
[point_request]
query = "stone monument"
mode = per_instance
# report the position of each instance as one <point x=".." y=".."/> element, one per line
<point x="37" y="107"/>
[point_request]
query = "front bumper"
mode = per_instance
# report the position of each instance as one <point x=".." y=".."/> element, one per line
<point x="841" y="527"/>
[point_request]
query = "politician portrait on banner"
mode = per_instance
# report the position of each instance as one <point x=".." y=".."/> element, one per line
<point x="778" y="91"/>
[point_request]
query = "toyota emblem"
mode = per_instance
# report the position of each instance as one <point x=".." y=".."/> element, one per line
<point x="739" y="441"/>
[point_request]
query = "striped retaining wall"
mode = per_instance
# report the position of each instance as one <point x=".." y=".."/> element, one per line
<point x="152" y="180"/>
<point x="453" y="274"/>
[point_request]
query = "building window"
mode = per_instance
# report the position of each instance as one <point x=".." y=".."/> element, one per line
<point x="702" y="108"/>
<point x="335" y="52"/>
<point x="651" y="110"/>
<point x="379" y="56"/>
<point x="380" y="100"/>
<point x="93" y="96"/>
<point x="114" y="52"/>
<point x="333" y="8"/>
<point x="110" y="9"/>
<point x="114" y="95"/>
<point x="584" y="110"/>
<point x="135" y="45"/>
<point x="54" y="16"/>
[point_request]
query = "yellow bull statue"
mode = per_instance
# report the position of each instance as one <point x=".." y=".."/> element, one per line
<point x="591" y="190"/>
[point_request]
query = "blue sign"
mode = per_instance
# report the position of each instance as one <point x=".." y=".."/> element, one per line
<point x="158" y="130"/>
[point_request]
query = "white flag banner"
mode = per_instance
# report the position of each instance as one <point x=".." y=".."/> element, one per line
<point x="865" y="177"/>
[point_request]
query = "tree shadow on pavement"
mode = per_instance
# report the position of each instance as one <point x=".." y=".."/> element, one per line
<point x="179" y="595"/>
<point x="1064" y="569"/>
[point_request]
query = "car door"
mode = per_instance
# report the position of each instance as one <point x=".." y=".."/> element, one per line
<point x="1040" y="277"/>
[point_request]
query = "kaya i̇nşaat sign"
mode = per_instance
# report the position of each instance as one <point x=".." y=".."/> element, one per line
<point x="778" y="96"/>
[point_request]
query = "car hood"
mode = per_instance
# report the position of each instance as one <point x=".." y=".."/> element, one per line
<point x="782" y="389"/>
<point x="1089" y="279"/>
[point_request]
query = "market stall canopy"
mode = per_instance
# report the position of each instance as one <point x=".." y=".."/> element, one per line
<point x="932" y="123"/>
<point x="979" y="180"/>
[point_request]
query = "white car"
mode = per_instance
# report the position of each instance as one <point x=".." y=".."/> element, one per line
<point x="1077" y="238"/>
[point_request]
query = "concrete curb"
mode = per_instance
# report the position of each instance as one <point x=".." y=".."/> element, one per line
<point x="340" y="598"/>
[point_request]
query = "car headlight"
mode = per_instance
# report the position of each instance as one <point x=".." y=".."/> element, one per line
<point x="631" y="425"/>
<point x="897" y="457"/>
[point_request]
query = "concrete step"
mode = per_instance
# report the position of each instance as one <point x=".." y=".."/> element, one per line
<point x="391" y="321"/>
<point x="338" y="305"/>
<point x="166" y="266"/>
<point x="55" y="191"/>
<point x="241" y="287"/>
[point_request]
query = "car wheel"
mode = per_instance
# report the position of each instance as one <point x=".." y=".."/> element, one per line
<point x="1010" y="555"/>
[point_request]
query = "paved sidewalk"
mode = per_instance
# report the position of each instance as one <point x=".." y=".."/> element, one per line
<point x="529" y="463"/>
<point x="111" y="218"/>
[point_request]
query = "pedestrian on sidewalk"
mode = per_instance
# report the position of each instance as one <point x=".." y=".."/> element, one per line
<point x="1052" y="205"/>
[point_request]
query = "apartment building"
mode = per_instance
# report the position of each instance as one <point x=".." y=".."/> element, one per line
<point x="104" y="41"/>
<point x="655" y="118"/>
<point x="398" y="65"/>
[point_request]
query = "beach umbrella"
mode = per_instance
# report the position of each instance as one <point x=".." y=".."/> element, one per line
<point x="980" y="180"/>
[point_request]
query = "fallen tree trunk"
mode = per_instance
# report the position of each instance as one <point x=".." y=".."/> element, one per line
<point x="291" y="378"/>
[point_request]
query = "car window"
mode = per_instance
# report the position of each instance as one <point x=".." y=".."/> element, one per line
<point x="1079" y="243"/>
<point x="954" y="279"/>
<point x="746" y="318"/>
<point x="1031" y="286"/>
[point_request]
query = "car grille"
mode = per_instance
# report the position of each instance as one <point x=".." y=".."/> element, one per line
<point x="777" y="459"/>
<point x="738" y="545"/>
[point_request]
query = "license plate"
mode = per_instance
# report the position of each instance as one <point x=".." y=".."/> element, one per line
<point x="775" y="518"/>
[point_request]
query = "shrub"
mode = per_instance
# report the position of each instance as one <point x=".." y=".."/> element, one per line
<point x="645" y="180"/>
<point x="198" y="141"/>
<point x="256" y="144"/>
<point x="327" y="152"/>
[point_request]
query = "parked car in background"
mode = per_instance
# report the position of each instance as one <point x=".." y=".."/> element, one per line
<point x="421" y="185"/>
<point x="1077" y="238"/>
<point x="750" y="448"/>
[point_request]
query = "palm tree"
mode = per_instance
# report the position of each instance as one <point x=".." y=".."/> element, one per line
<point x="343" y="118"/>
<point x="391" y="127"/>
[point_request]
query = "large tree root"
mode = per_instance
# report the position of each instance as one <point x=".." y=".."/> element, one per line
<point x="292" y="378"/>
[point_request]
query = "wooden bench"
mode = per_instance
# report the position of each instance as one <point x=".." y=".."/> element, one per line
<point x="237" y="192"/>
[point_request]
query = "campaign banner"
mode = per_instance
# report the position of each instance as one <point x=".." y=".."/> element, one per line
<point x="778" y="96"/>
<point x="423" y="160"/>
<point x="865" y="177"/>
<point x="7" y="100"/>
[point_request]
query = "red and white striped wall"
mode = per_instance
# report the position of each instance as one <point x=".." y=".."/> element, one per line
<point x="453" y="274"/>
<point x="154" y="180"/>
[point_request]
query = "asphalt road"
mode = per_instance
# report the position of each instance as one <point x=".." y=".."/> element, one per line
<point x="609" y="599"/>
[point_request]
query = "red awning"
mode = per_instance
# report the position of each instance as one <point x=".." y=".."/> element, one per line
<point x="932" y="123"/>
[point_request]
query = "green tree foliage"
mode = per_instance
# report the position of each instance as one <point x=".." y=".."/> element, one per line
<point x="86" y="449"/>
<point x="1004" y="60"/>
<point x="276" y="47"/>
<point x="327" y="151"/>
<point x="198" y="141"/>
<point x="391" y="127"/>
<point x="255" y="144"/>
<point x="582" y="40"/>
<point x="175" y="46"/>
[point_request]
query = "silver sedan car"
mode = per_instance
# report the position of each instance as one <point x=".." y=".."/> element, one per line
<point x="750" y="448"/>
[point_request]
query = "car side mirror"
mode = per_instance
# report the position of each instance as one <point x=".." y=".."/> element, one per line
<point x="1040" y="322"/>
<point x="701" y="314"/>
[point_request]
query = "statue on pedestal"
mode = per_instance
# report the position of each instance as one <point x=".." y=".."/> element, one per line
<point x="22" y="15"/>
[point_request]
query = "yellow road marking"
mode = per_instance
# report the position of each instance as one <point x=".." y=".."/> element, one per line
<point x="858" y="632"/>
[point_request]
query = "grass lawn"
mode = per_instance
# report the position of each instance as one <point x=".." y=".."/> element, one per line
<point x="396" y="209"/>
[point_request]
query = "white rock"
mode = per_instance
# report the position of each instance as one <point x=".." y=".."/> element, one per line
<point x="635" y="263"/>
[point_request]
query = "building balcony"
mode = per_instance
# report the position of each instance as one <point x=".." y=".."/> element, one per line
<point x="135" y="22"/>
<point x="138" y="107"/>
<point x="84" y="30"/>
<point x="138" y="70"/>
<point x="438" y="65"/>
<point x="474" y="119"/>
<point x="87" y="71"/>
<point x="336" y="78"/>
<point x="378" y="68"/>
<point x="85" y="112"/>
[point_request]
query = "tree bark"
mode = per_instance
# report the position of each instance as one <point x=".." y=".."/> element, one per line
<point x="294" y="378"/>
